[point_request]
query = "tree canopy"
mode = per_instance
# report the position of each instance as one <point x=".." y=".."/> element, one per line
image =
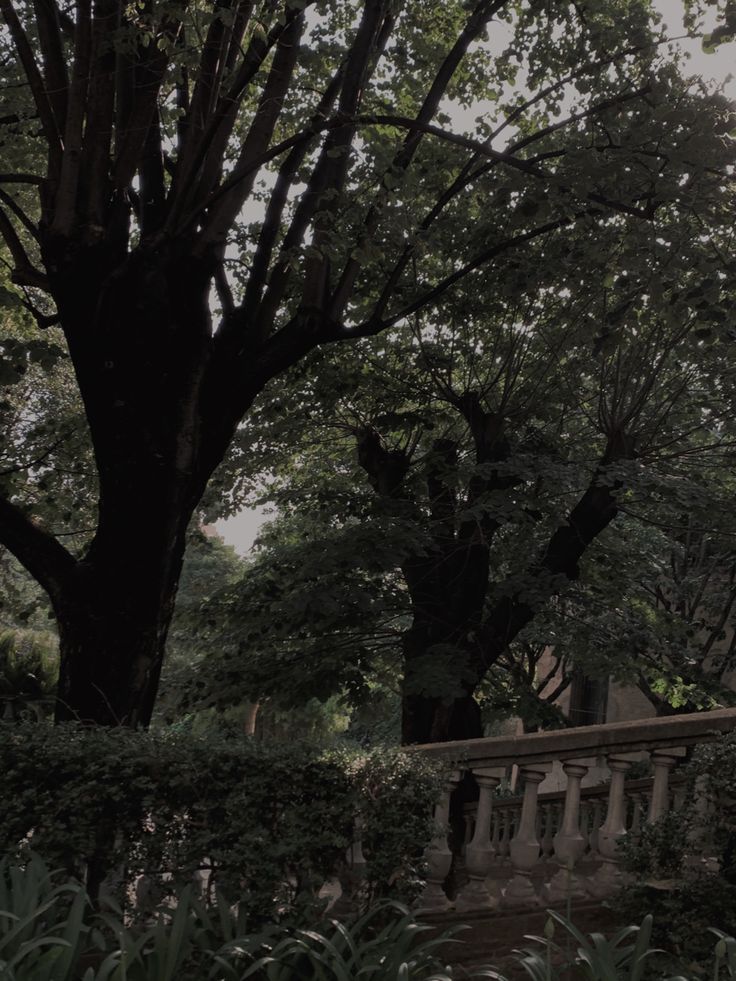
<point x="198" y="197"/>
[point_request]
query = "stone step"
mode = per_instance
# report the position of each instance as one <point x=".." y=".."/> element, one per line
<point x="492" y="936"/>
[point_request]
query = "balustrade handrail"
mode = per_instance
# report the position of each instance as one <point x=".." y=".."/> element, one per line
<point x="507" y="831"/>
<point x="598" y="790"/>
<point x="583" y="741"/>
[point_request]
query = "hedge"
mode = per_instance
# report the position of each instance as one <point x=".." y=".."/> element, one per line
<point x="271" y="822"/>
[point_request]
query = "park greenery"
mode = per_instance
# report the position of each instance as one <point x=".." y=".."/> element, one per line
<point x="448" y="289"/>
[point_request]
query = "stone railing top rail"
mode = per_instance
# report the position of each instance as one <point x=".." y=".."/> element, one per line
<point x="583" y="741"/>
<point x="599" y="790"/>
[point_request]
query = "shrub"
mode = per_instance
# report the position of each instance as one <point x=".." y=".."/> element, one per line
<point x="49" y="932"/>
<point x="687" y="899"/>
<point x="271" y="823"/>
<point x="595" y="958"/>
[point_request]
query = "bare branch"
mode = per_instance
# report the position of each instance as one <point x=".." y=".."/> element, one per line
<point x="149" y="73"/>
<point x="100" y="113"/>
<point x="9" y="202"/>
<point x="277" y="202"/>
<point x="20" y="179"/>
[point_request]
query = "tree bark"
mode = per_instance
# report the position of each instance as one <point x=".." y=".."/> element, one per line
<point x="113" y="622"/>
<point x="139" y="344"/>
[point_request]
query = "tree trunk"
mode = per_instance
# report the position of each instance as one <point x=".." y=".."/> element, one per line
<point x="428" y="715"/>
<point x="432" y="719"/>
<point x="112" y="636"/>
<point x="140" y="350"/>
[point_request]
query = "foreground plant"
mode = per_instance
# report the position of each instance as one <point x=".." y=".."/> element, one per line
<point x="50" y="932"/>
<point x="598" y="959"/>
<point x="42" y="925"/>
<point x="382" y="945"/>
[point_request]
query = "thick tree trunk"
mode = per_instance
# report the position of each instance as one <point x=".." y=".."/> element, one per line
<point x="140" y="350"/>
<point x="432" y="719"/>
<point x="429" y="714"/>
<point x="112" y="636"/>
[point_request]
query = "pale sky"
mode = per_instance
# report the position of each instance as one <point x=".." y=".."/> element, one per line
<point x="241" y="530"/>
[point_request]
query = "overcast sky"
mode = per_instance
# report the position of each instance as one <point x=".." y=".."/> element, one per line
<point x="241" y="530"/>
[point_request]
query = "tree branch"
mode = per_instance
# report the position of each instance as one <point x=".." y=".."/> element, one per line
<point x="51" y="126"/>
<point x="149" y="73"/>
<point x="482" y="14"/>
<point x="375" y="325"/>
<point x="66" y="195"/>
<point x="558" y="563"/>
<point x="38" y="551"/>
<point x="186" y="191"/>
<point x="220" y="218"/>
<point x="52" y="53"/>
<point x="24" y="273"/>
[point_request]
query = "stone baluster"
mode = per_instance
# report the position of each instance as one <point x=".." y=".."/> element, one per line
<point x="507" y="818"/>
<point x="569" y="842"/>
<point x="585" y="825"/>
<point x="524" y="847"/>
<point x="479" y="851"/>
<point x="351" y="873"/>
<point x="547" y="841"/>
<point x="494" y="880"/>
<point x="680" y="797"/>
<point x="700" y="834"/>
<point x="496" y="822"/>
<point x="662" y="760"/>
<point x="438" y="855"/>
<point x="595" y="824"/>
<point x="638" y="809"/>
<point x="468" y="829"/>
<point x="609" y="878"/>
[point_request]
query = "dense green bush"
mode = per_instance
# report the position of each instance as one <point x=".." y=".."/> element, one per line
<point x="686" y="897"/>
<point x="272" y="823"/>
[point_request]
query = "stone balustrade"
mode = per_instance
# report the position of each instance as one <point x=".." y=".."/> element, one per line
<point x="537" y="848"/>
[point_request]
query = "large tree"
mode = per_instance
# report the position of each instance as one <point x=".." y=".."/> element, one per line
<point x="197" y="195"/>
<point x="499" y="450"/>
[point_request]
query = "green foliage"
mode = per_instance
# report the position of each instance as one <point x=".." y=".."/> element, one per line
<point x="270" y="824"/>
<point x="28" y="669"/>
<point x="49" y="931"/>
<point x="42" y="924"/>
<point x="383" y="945"/>
<point x="685" y="897"/>
<point x="660" y="849"/>
<point x="596" y="958"/>
<point x="714" y="769"/>
<point x="683" y="911"/>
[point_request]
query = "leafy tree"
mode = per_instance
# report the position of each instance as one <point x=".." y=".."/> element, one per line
<point x="655" y="608"/>
<point x="498" y="450"/>
<point x="293" y="161"/>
